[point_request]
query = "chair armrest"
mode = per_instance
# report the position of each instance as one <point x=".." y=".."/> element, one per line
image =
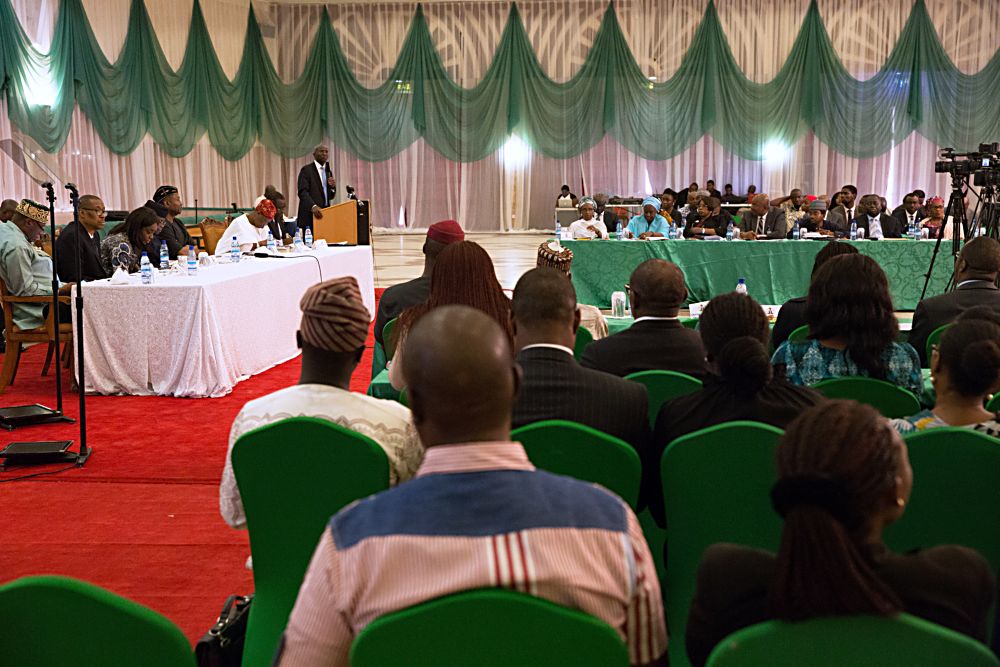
<point x="31" y="299"/>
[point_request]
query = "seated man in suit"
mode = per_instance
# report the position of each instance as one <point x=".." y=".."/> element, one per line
<point x="554" y="385"/>
<point x="280" y="229"/>
<point x="877" y="225"/>
<point x="92" y="218"/>
<point x="399" y="297"/>
<point x="477" y="515"/>
<point x="657" y="340"/>
<point x="909" y="213"/>
<point x="840" y="216"/>
<point x="173" y="230"/>
<point x="763" y="220"/>
<point x="975" y="285"/>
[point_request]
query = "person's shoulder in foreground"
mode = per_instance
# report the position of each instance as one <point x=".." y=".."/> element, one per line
<point x="478" y="515"/>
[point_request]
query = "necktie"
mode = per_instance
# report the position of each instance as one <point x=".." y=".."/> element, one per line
<point x="850" y="214"/>
<point x="911" y="219"/>
<point x="760" y="224"/>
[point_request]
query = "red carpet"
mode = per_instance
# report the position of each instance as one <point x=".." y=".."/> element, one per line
<point x="141" y="518"/>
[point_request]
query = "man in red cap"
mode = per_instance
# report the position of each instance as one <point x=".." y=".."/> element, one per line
<point x="398" y="298"/>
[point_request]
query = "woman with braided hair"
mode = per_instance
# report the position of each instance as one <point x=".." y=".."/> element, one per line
<point x="843" y="476"/>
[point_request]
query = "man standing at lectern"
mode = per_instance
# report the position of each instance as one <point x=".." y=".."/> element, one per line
<point x="317" y="188"/>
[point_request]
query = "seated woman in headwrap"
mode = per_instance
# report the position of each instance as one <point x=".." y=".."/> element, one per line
<point x="249" y="229"/>
<point x="588" y="226"/>
<point x="650" y="223"/>
<point x="125" y="243"/>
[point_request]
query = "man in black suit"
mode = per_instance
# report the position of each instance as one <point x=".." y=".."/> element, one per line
<point x="840" y="216"/>
<point x="657" y="340"/>
<point x="763" y="220"/>
<point x="712" y="192"/>
<point x="173" y="232"/>
<point x="280" y="229"/>
<point x="554" y="385"/>
<point x="877" y="225"/>
<point x="909" y="212"/>
<point x="92" y="218"/>
<point x="976" y="273"/>
<point x="317" y="188"/>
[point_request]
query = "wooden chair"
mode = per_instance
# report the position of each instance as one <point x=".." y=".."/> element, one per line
<point x="43" y="334"/>
<point x="211" y="232"/>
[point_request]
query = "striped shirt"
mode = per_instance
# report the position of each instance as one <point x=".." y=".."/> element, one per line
<point x="477" y="515"/>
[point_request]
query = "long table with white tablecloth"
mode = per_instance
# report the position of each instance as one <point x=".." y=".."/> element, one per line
<point x="200" y="335"/>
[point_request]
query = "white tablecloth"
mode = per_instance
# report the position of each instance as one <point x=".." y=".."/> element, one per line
<point x="200" y="335"/>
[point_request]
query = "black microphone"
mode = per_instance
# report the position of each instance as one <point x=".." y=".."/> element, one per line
<point x="261" y="253"/>
<point x="46" y="185"/>
<point x="71" y="187"/>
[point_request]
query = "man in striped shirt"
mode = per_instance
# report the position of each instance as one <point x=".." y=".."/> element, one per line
<point x="477" y="515"/>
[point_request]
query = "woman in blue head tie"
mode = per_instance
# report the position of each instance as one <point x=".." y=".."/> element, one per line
<point x="650" y="223"/>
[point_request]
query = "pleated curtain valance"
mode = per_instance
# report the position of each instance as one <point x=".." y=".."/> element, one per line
<point x="918" y="89"/>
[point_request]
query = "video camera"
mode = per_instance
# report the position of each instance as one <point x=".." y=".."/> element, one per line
<point x="983" y="165"/>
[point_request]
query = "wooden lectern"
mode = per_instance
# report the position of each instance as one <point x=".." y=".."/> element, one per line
<point x="345" y="222"/>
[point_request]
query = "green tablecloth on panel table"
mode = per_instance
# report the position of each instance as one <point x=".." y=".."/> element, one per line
<point x="775" y="270"/>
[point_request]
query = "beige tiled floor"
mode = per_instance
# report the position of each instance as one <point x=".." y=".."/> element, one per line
<point x="398" y="257"/>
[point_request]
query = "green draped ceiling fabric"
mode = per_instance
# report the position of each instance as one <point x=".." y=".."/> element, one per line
<point x="918" y="89"/>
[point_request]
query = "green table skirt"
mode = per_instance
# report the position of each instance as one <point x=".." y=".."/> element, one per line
<point x="775" y="271"/>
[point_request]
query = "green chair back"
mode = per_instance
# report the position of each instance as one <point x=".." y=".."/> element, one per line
<point x="858" y="641"/>
<point x="891" y="400"/>
<point x="661" y="386"/>
<point x="388" y="338"/>
<point x="293" y="475"/>
<point x="56" y="621"/>
<point x="583" y="339"/>
<point x="994" y="404"/>
<point x="716" y="488"/>
<point x="932" y="340"/>
<point x="689" y="322"/>
<point x="799" y="334"/>
<point x="488" y="628"/>
<point x="575" y="450"/>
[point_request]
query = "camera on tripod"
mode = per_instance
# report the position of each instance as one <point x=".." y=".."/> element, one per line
<point x="983" y="165"/>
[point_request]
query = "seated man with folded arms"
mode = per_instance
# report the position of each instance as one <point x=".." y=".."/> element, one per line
<point x="249" y="229"/>
<point x="173" y="230"/>
<point x="477" y="515"/>
<point x="332" y="337"/>
<point x="554" y="255"/>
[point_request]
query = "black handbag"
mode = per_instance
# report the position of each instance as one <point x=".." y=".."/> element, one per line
<point x="222" y="645"/>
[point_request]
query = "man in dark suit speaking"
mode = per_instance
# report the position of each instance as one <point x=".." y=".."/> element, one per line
<point x="317" y="188"/>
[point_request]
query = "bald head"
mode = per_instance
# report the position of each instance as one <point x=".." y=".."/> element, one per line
<point x="7" y="208"/>
<point x="657" y="288"/>
<point x="461" y="379"/>
<point x="759" y="204"/>
<point x="979" y="260"/>
<point x="544" y="309"/>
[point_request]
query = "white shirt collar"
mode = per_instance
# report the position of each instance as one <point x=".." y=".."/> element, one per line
<point x="966" y="282"/>
<point x="319" y="166"/>
<point x="552" y="346"/>
<point x="656" y="319"/>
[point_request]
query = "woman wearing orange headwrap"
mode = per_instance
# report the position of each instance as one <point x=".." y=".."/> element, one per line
<point x="249" y="229"/>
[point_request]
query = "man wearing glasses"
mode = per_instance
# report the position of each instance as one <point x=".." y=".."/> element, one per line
<point x="25" y="269"/>
<point x="92" y="218"/>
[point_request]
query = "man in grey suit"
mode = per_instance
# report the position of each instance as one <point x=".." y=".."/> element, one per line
<point x="877" y="225"/>
<point x="839" y="217"/>
<point x="763" y="220"/>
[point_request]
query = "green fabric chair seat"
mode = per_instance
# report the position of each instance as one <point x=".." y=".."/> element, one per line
<point x="661" y="386"/>
<point x="488" y="628"/>
<point x="293" y="475"/>
<point x="858" y="641"/>
<point x="892" y="401"/>
<point x="57" y="621"/>
<point x="575" y="450"/>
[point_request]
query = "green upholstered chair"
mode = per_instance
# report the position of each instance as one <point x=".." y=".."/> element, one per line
<point x="56" y="621"/>
<point x="293" y="475"/>
<point x="575" y="450"/>
<point x="388" y="338"/>
<point x="932" y="340"/>
<point x="889" y="399"/>
<point x="488" y="628"/>
<point x="689" y="322"/>
<point x="858" y="641"/>
<point x="661" y="386"/>
<point x="799" y="334"/>
<point x="994" y="404"/>
<point x="716" y="488"/>
<point x="583" y="339"/>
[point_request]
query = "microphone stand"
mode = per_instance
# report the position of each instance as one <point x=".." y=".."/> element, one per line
<point x="85" y="452"/>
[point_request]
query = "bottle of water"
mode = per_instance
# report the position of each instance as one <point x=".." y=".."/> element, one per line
<point x="192" y="261"/>
<point x="729" y="237"/>
<point x="854" y="230"/>
<point x="309" y="237"/>
<point x="272" y="247"/>
<point x="741" y="286"/>
<point x="619" y="232"/>
<point x="298" y="241"/>
<point x="164" y="256"/>
<point x="558" y="231"/>
<point x="673" y="230"/>
<point x="146" y="269"/>
<point x="796" y="231"/>
<point x="234" y="251"/>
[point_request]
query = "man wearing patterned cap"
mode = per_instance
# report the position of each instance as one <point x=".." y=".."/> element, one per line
<point x="332" y="338"/>
<point x="399" y="297"/>
<point x="174" y="232"/>
<point x="25" y="269"/>
<point x="554" y="255"/>
<point x="249" y="230"/>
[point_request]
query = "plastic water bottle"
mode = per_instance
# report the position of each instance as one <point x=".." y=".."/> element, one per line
<point x="234" y="251"/>
<point x="796" y="232"/>
<point x="309" y="237"/>
<point x="164" y="256"/>
<point x="741" y="286"/>
<point x="729" y="237"/>
<point x="272" y="247"/>
<point x="619" y="232"/>
<point x="854" y="230"/>
<point x="558" y="231"/>
<point x="146" y="269"/>
<point x="298" y="241"/>
<point x="192" y="261"/>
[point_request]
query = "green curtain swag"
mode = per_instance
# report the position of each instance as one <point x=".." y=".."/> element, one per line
<point x="918" y="89"/>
